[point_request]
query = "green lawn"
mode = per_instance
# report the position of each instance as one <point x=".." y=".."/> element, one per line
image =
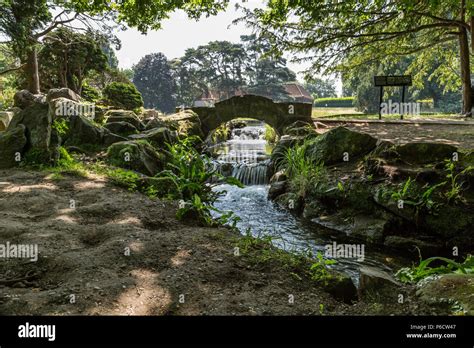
<point x="352" y="113"/>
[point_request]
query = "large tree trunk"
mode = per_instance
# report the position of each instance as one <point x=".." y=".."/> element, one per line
<point x="465" y="72"/>
<point x="31" y="70"/>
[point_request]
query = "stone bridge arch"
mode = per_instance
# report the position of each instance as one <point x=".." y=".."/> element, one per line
<point x="277" y="115"/>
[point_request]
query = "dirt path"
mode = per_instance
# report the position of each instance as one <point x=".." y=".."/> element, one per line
<point x="172" y="268"/>
<point x="461" y="136"/>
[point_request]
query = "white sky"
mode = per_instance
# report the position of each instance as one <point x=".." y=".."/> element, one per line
<point x="179" y="33"/>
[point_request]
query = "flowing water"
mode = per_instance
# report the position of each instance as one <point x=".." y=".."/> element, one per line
<point x="246" y="157"/>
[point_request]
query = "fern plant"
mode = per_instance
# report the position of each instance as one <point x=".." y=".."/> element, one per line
<point x="194" y="181"/>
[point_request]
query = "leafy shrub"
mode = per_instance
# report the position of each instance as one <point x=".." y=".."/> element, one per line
<point x="270" y="134"/>
<point x="123" y="95"/>
<point x="344" y="102"/>
<point x="6" y="98"/>
<point x="422" y="270"/>
<point x="90" y="93"/>
<point x="60" y="125"/>
<point x="191" y="176"/>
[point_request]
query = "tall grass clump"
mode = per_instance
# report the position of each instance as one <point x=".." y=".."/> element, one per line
<point x="302" y="171"/>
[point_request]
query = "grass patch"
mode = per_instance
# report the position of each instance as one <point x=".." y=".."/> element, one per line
<point x="260" y="251"/>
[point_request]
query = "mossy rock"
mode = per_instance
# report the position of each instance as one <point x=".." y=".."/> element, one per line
<point x="424" y="153"/>
<point x="449" y="290"/>
<point x="124" y="116"/>
<point x="186" y="123"/>
<point x="290" y="201"/>
<point x="121" y="128"/>
<point x="338" y="145"/>
<point x="12" y="143"/>
<point x="341" y="287"/>
<point x="136" y="155"/>
<point x="157" y="136"/>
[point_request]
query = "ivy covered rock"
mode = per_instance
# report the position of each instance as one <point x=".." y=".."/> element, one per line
<point x="137" y="155"/>
<point x="12" y="144"/>
<point x="340" y="144"/>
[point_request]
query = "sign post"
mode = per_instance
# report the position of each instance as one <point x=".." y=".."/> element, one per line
<point x="395" y="80"/>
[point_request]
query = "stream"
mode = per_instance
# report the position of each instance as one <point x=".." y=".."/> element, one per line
<point x="246" y="156"/>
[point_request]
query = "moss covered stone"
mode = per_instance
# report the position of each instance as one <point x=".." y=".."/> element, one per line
<point x="12" y="143"/>
<point x="340" y="144"/>
<point x="136" y="155"/>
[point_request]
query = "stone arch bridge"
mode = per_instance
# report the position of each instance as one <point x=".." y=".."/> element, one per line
<point x="277" y="115"/>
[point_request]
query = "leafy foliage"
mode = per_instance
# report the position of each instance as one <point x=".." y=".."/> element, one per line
<point x="123" y="95"/>
<point x="453" y="180"/>
<point x="67" y="57"/>
<point x="153" y="78"/>
<point x="191" y="176"/>
<point x="422" y="270"/>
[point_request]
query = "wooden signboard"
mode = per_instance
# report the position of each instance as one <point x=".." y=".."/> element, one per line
<point x="394" y="80"/>
<point x="402" y="80"/>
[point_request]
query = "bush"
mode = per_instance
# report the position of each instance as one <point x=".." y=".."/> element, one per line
<point x="90" y="94"/>
<point x="344" y="102"/>
<point x="191" y="175"/>
<point x="123" y="95"/>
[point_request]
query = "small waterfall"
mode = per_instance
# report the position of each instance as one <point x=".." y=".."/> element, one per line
<point x="251" y="174"/>
<point x="244" y="156"/>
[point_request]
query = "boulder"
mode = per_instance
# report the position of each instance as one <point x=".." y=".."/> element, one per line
<point x="448" y="290"/>
<point x="67" y="93"/>
<point x="186" y="123"/>
<point x="278" y="176"/>
<point x="124" y="116"/>
<point x="338" y="143"/>
<point x="150" y="114"/>
<point x="111" y="138"/>
<point x="290" y="201"/>
<point x="423" y="153"/>
<point x="341" y="287"/>
<point x="24" y="98"/>
<point x="157" y="136"/>
<point x="5" y="118"/>
<point x="276" y="189"/>
<point x="99" y="116"/>
<point x="12" y="143"/>
<point x="82" y="130"/>
<point x="154" y="123"/>
<point x="300" y="128"/>
<point x="136" y="155"/>
<point x="412" y="245"/>
<point x="121" y="128"/>
<point x="377" y="283"/>
<point x="38" y="123"/>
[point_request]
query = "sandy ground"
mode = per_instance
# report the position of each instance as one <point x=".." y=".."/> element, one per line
<point x="172" y="267"/>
